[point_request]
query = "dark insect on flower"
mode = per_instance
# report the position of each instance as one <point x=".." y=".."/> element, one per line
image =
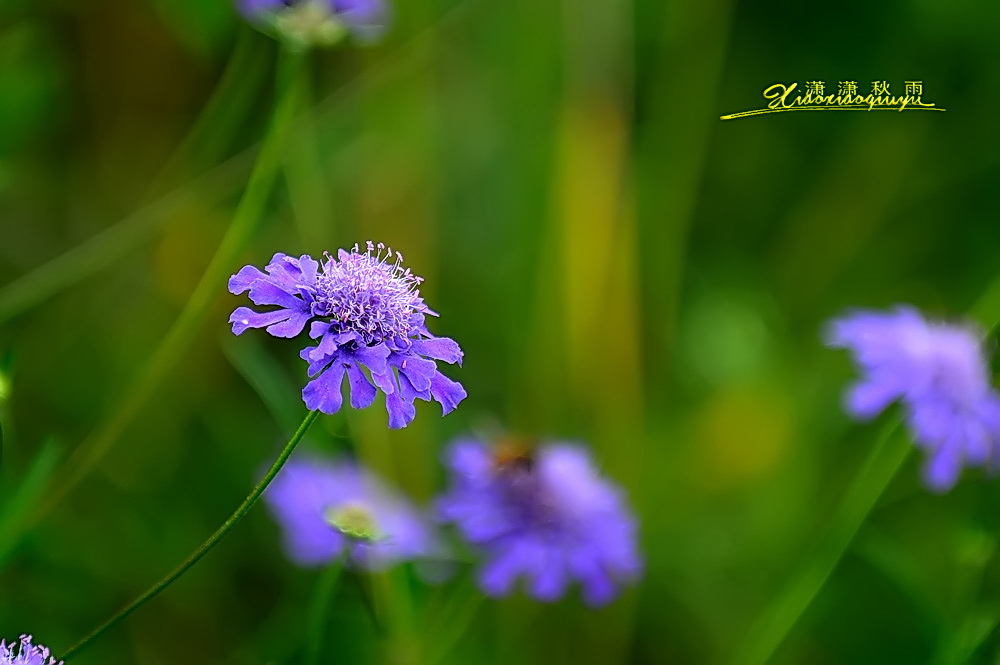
<point x="366" y="312"/>
<point x="938" y="372"/>
<point x="545" y="516"/>
<point x="25" y="653"/>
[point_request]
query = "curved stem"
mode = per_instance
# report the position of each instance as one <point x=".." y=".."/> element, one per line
<point x="206" y="546"/>
<point x="884" y="460"/>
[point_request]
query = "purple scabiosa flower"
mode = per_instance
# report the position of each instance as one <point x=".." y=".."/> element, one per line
<point x="545" y="516"/>
<point x="940" y="374"/>
<point x="25" y="653"/>
<point x="328" y="509"/>
<point x="307" y="23"/>
<point x="366" y="311"/>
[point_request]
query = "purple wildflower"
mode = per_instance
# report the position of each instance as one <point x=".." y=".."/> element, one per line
<point x="330" y="509"/>
<point x="25" y="653"/>
<point x="366" y="313"/>
<point x="939" y="373"/>
<point x="307" y="23"/>
<point x="547" y="517"/>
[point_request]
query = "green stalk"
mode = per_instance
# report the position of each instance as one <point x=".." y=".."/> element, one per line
<point x="206" y="546"/>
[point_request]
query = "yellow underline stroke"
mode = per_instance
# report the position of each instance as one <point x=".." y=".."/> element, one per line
<point x="829" y="108"/>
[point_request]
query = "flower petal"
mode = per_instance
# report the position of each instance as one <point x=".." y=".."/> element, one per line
<point x="449" y="393"/>
<point x="439" y="348"/>
<point x="362" y="391"/>
<point x="419" y="371"/>
<point x="242" y="280"/>
<point x="323" y="392"/>
<point x="401" y="413"/>
<point x="280" y="322"/>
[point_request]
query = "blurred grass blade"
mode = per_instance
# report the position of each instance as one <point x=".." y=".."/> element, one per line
<point x="318" y="611"/>
<point x="245" y="221"/>
<point x="25" y="497"/>
<point x="880" y="467"/>
<point x="453" y="620"/>
<point x="214" y="129"/>
<point x="266" y="376"/>
<point x="116" y="241"/>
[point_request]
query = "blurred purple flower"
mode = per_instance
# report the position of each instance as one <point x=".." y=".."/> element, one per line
<point x="547" y="517"/>
<point x="319" y="22"/>
<point x="366" y="313"/>
<point x="327" y="510"/>
<point x="25" y="653"/>
<point x="940" y="374"/>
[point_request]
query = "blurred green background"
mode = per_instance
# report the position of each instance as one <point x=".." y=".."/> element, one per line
<point x="620" y="266"/>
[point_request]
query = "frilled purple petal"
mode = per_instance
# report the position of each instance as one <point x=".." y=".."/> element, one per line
<point x="418" y="370"/>
<point x="439" y="348"/>
<point x="373" y="357"/>
<point x="266" y="293"/>
<point x="449" y="393"/>
<point x="321" y="329"/>
<point x="549" y="521"/>
<point x="286" y="272"/>
<point x="280" y="323"/>
<point x="287" y="284"/>
<point x="409" y="392"/>
<point x="306" y="491"/>
<point x="242" y="280"/>
<point x="401" y="413"/>
<point x="362" y="390"/>
<point x="323" y="392"/>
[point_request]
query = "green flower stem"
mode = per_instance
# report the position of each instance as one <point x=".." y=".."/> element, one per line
<point x="316" y="621"/>
<point x="206" y="546"/>
<point x="168" y="353"/>
<point x="884" y="460"/>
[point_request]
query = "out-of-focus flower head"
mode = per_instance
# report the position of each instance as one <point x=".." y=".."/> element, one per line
<point x="328" y="509"/>
<point x="543" y="515"/>
<point x="305" y="24"/>
<point x="23" y="652"/>
<point x="940" y="374"/>
<point x="366" y="311"/>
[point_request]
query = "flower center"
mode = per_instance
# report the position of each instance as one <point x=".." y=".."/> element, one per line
<point x="353" y="519"/>
<point x="368" y="295"/>
<point x="309" y="23"/>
